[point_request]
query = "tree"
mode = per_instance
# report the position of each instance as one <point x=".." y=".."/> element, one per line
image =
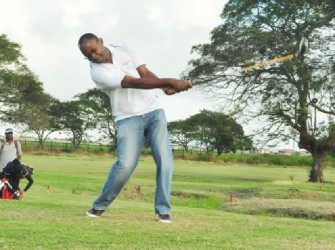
<point x="286" y="97"/>
<point x="220" y="132"/>
<point x="22" y="97"/>
<point x="19" y="87"/>
<point x="10" y="52"/>
<point x="182" y="132"/>
<point x="37" y="118"/>
<point x="214" y="129"/>
<point x="76" y="116"/>
<point x="100" y="102"/>
<point x="200" y="123"/>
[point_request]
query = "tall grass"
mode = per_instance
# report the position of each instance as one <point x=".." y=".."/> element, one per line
<point x="52" y="147"/>
<point x="255" y="159"/>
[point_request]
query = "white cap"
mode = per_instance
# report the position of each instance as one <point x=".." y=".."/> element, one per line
<point x="9" y="130"/>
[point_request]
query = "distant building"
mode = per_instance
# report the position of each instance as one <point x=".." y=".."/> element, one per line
<point x="264" y="150"/>
<point x="286" y="151"/>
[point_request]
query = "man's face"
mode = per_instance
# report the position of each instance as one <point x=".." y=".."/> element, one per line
<point x="95" y="51"/>
<point x="9" y="135"/>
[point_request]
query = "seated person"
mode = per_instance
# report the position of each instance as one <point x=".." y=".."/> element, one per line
<point x="11" y="176"/>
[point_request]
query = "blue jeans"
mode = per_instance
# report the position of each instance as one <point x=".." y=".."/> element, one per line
<point x="131" y="133"/>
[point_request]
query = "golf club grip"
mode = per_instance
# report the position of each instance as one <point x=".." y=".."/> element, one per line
<point x="279" y="59"/>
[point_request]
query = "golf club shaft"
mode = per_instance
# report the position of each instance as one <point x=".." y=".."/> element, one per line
<point x="279" y="59"/>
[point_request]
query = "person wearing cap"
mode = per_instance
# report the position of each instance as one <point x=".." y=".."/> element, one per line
<point x="10" y="149"/>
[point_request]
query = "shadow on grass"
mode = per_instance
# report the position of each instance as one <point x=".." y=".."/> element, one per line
<point x="292" y="208"/>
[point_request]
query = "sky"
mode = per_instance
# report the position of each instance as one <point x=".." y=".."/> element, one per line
<point x="162" y="32"/>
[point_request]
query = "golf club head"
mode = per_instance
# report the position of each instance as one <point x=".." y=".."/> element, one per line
<point x="303" y="47"/>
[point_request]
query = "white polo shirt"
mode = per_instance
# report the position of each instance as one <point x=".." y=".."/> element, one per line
<point x="126" y="102"/>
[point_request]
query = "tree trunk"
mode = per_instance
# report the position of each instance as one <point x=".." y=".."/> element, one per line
<point x="316" y="173"/>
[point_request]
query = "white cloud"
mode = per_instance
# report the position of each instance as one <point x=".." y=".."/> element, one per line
<point x="162" y="31"/>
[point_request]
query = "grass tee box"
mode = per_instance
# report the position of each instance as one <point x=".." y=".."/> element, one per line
<point x="52" y="216"/>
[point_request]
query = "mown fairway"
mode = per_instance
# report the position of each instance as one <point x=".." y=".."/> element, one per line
<point x="272" y="208"/>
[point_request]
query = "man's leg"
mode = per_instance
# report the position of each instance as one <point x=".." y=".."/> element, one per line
<point x="130" y="139"/>
<point x="158" y="138"/>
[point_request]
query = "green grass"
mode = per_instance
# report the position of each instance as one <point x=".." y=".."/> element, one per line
<point x="270" y="209"/>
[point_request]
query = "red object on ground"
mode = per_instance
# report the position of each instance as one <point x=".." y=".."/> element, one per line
<point x="6" y="195"/>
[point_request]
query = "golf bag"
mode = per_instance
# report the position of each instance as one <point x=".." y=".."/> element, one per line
<point x="7" y="192"/>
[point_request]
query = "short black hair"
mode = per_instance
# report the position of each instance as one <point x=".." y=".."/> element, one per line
<point x="87" y="36"/>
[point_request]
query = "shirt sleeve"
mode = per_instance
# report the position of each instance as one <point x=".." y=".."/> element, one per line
<point x="8" y="168"/>
<point x="106" y="77"/>
<point x="136" y="59"/>
<point x="30" y="182"/>
<point x="19" y="149"/>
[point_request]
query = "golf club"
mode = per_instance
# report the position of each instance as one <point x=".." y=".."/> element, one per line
<point x="303" y="48"/>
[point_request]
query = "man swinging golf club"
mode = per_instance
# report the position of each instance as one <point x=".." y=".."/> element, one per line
<point x="121" y="74"/>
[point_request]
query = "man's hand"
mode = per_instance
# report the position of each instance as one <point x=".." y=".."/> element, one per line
<point x="22" y="194"/>
<point x="178" y="86"/>
<point x="181" y="85"/>
<point x="169" y="91"/>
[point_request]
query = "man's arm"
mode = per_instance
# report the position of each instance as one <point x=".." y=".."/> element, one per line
<point x="145" y="72"/>
<point x="149" y="80"/>
<point x="18" y="150"/>
<point x="30" y="182"/>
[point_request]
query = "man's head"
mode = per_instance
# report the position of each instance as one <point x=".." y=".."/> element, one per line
<point x="93" y="48"/>
<point x="9" y="133"/>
